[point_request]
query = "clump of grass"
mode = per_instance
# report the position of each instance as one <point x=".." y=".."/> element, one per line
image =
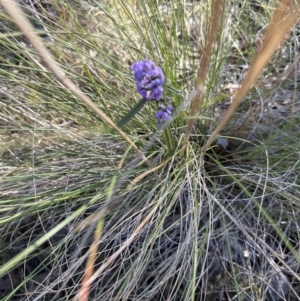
<point x="94" y="211"/>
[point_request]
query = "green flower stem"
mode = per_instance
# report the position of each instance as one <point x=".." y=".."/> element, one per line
<point x="132" y="112"/>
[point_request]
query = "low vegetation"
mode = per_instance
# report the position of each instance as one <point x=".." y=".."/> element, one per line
<point x="100" y="200"/>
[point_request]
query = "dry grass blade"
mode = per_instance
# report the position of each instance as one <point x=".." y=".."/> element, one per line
<point x="144" y="174"/>
<point x="283" y="20"/>
<point x="84" y="291"/>
<point x="199" y="92"/>
<point x="16" y="14"/>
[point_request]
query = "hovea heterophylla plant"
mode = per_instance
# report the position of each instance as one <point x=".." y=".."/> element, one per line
<point x="150" y="82"/>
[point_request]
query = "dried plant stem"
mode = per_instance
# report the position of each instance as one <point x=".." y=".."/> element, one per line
<point x="14" y="11"/>
<point x="198" y="94"/>
<point x="285" y="17"/>
<point x="83" y="294"/>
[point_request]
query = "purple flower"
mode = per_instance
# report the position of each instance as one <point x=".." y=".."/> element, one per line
<point x="149" y="79"/>
<point x="161" y="117"/>
<point x="168" y="109"/>
<point x="163" y="114"/>
<point x="156" y="93"/>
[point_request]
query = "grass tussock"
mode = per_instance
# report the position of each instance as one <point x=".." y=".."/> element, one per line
<point x="92" y="211"/>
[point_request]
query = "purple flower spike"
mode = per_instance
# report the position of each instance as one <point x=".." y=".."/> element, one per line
<point x="161" y="117"/>
<point x="138" y="71"/>
<point x="149" y="79"/>
<point x="156" y="93"/>
<point x="169" y="109"/>
<point x="163" y="114"/>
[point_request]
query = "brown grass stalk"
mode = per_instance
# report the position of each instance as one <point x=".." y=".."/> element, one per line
<point x="83" y="294"/>
<point x="284" y="18"/>
<point x="198" y="94"/>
